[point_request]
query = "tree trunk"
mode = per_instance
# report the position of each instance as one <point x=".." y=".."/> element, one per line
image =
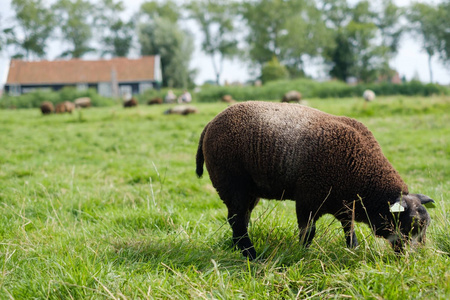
<point x="429" y="67"/>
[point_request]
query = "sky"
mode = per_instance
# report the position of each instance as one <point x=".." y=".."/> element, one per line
<point x="411" y="61"/>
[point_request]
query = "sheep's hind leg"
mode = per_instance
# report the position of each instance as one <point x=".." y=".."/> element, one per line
<point x="239" y="216"/>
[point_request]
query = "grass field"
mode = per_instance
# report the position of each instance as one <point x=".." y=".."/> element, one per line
<point x="105" y="203"/>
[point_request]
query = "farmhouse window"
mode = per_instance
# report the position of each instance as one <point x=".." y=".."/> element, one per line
<point x="105" y="89"/>
<point x="126" y="91"/>
<point x="14" y="89"/>
<point x="143" y="86"/>
<point x="82" y="86"/>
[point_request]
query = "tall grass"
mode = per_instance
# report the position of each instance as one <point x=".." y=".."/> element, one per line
<point x="106" y="205"/>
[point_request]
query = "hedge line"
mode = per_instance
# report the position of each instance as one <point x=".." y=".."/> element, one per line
<point x="35" y="98"/>
<point x="271" y="91"/>
<point x="313" y="89"/>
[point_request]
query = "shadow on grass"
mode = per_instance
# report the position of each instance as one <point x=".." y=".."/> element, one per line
<point x="176" y="252"/>
<point x="275" y="250"/>
<point x="276" y="243"/>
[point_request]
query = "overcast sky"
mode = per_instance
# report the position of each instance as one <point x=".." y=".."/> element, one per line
<point x="410" y="61"/>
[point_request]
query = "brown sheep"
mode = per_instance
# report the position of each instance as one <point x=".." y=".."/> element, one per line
<point x="182" y="110"/>
<point x="70" y="106"/>
<point x="64" y="107"/>
<point x="47" y="107"/>
<point x="130" y="103"/>
<point x="82" y="102"/>
<point x="292" y="96"/>
<point x="60" y="108"/>
<point x="327" y="164"/>
<point x="155" y="101"/>
<point x="228" y="99"/>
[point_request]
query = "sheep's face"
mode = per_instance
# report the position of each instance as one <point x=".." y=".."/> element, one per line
<point x="409" y="220"/>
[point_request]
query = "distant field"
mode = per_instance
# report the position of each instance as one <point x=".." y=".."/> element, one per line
<point x="105" y="203"/>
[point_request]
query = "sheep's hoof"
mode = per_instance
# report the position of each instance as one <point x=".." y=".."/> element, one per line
<point x="250" y="253"/>
<point x="397" y="246"/>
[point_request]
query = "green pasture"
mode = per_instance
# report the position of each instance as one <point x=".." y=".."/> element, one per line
<point x="105" y="204"/>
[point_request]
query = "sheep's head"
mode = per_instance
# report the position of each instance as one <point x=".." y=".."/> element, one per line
<point x="409" y="220"/>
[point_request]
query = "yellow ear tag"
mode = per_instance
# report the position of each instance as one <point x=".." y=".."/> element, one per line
<point x="396" y="207"/>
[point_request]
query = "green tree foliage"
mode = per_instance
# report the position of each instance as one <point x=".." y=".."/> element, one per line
<point x="32" y="28"/>
<point x="159" y="35"/>
<point x="116" y="35"/>
<point x="425" y="22"/>
<point x="387" y="20"/>
<point x="356" y="51"/>
<point x="336" y="13"/>
<point x="273" y="70"/>
<point x="355" y="38"/>
<point x="361" y="32"/>
<point x="306" y="37"/>
<point x="216" y="21"/>
<point x="432" y="23"/>
<point x="291" y="30"/>
<point x="75" y="19"/>
<point x="166" y="9"/>
<point x="119" y="41"/>
<point x="444" y="32"/>
<point x="341" y="56"/>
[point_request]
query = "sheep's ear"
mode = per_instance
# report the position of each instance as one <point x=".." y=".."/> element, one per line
<point x="426" y="201"/>
<point x="396" y="207"/>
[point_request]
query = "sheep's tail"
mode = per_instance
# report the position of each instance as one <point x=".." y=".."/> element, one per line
<point x="200" y="158"/>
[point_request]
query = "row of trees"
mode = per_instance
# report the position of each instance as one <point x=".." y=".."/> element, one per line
<point x="275" y="37"/>
<point x="73" y="21"/>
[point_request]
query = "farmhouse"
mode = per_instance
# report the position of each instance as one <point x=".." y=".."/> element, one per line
<point x="110" y="78"/>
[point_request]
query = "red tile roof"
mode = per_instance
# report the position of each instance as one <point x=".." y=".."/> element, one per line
<point x="80" y="71"/>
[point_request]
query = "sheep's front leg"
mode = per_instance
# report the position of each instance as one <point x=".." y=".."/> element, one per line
<point x="397" y="243"/>
<point x="306" y="226"/>
<point x="350" y="236"/>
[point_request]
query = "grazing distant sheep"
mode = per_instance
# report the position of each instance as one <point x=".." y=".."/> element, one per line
<point x="292" y="96"/>
<point x="60" y="108"/>
<point x="185" y="97"/>
<point x="64" y="107"/>
<point x="228" y="99"/>
<point x="182" y="110"/>
<point x="155" y="101"/>
<point x="130" y="103"/>
<point x="326" y="164"/>
<point x="369" y="95"/>
<point x="170" y="97"/>
<point x="70" y="106"/>
<point x="82" y="102"/>
<point x="47" y="107"/>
